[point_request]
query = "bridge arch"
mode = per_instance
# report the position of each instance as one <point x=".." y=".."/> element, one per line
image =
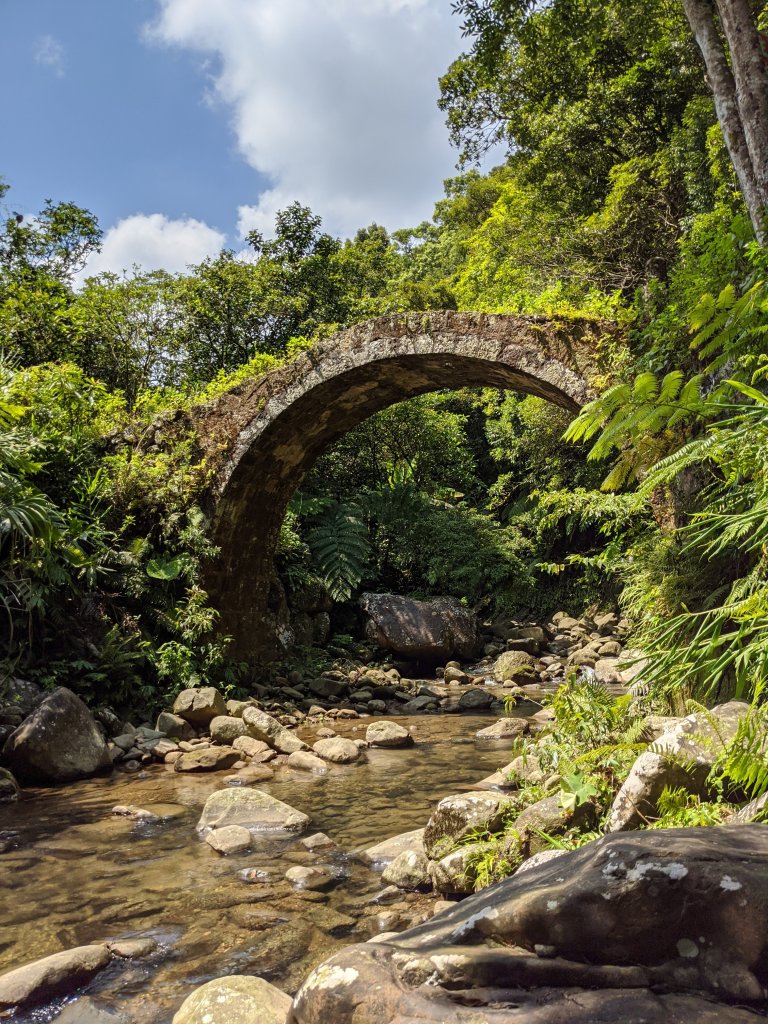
<point x="264" y="435"/>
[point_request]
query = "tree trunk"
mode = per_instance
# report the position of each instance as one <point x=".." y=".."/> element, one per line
<point x="749" y="74"/>
<point x="701" y="18"/>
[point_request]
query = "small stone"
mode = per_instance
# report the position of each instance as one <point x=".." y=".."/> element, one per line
<point x="505" y="728"/>
<point x="337" y="750"/>
<point x="304" y="761"/>
<point x="206" y="759"/>
<point x="229" y="839"/>
<point x="310" y="878"/>
<point x="250" y="747"/>
<point x="388" y="734"/>
<point x="132" y="949"/>
<point x="318" y="841"/>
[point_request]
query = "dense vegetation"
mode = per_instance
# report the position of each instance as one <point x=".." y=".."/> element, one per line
<point x="618" y="200"/>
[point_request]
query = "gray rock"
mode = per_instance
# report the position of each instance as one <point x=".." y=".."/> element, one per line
<point x="456" y="816"/>
<point x="207" y="759"/>
<point x="388" y="734"/>
<point x="329" y="687"/>
<point x="384" y="853"/>
<point x="453" y="674"/>
<point x="314" y="879"/>
<point x="409" y="870"/>
<point x="225" y="729"/>
<point x="199" y="706"/>
<point x="253" y="809"/>
<point x="9" y="787"/>
<point x="454" y="874"/>
<point x="516" y="666"/>
<point x="59" y="742"/>
<point x="566" y="943"/>
<point x="264" y="727"/>
<point x="683" y="756"/>
<point x="420" y="629"/>
<point x="56" y="975"/>
<point x="505" y="728"/>
<point x="229" y="839"/>
<point x="236" y="999"/>
<point x="307" y="762"/>
<point x="174" y="726"/>
<point x="475" y="700"/>
<point x="543" y="857"/>
<point x="250" y="747"/>
<point x="337" y="750"/>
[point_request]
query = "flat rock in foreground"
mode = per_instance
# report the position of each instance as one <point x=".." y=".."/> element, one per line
<point x="253" y="809"/>
<point x="663" y="927"/>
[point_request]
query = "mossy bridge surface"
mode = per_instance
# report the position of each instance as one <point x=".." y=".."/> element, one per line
<point x="261" y="437"/>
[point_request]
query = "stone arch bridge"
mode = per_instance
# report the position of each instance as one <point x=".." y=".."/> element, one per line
<point x="261" y="437"/>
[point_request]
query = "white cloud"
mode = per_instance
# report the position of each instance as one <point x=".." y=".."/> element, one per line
<point x="50" y="53"/>
<point x="154" y="242"/>
<point x="334" y="101"/>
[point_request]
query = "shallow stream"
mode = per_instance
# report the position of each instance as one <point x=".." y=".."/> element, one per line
<point x="72" y="873"/>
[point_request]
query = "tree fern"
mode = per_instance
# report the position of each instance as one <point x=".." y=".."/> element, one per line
<point x="340" y="549"/>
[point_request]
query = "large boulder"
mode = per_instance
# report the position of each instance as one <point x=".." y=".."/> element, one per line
<point x="456" y="816"/>
<point x="475" y="700"/>
<point x="388" y="734"/>
<point x="254" y="810"/>
<point x="236" y="999"/>
<point x="664" y="927"/>
<point x="59" y="742"/>
<point x="225" y="729"/>
<point x="262" y="726"/>
<point x="199" y="706"/>
<point x="682" y="756"/>
<point x="429" y="630"/>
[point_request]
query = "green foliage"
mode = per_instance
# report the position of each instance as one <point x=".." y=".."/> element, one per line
<point x="340" y="548"/>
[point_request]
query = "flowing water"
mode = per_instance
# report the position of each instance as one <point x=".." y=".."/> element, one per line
<point x="73" y="873"/>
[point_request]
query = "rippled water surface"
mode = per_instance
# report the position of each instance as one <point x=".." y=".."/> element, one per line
<point x="73" y="873"/>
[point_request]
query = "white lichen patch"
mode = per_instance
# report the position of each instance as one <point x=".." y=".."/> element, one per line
<point x="553" y="904"/>
<point x="488" y="914"/>
<point x="331" y="976"/>
<point x="729" y="884"/>
<point x="643" y="868"/>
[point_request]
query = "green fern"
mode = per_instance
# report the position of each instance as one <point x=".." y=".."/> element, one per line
<point x="340" y="549"/>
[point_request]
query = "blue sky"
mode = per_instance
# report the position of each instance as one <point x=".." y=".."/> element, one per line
<point x="183" y="123"/>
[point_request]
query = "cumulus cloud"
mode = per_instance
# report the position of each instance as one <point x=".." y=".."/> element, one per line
<point x="154" y="242"/>
<point x="335" y="102"/>
<point x="50" y="53"/>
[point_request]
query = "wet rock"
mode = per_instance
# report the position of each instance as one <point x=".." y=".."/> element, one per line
<point x="304" y="761"/>
<point x="383" y="853"/>
<point x="318" y="841"/>
<point x="475" y="700"/>
<point x="206" y="759"/>
<point x="9" y="787"/>
<point x="419" y="704"/>
<point x="456" y="816"/>
<point x="388" y="734"/>
<point x="199" y="706"/>
<point x="683" y="756"/>
<point x="133" y="949"/>
<point x="664" y="927"/>
<point x="229" y="839"/>
<point x="57" y="975"/>
<point x="252" y="809"/>
<point x="432" y="630"/>
<point x="237" y="999"/>
<point x="251" y="775"/>
<point x="409" y="870"/>
<point x="225" y="729"/>
<point x="86" y="1011"/>
<point x="59" y="742"/>
<point x="505" y="728"/>
<point x="337" y="750"/>
<point x="310" y="878"/>
<point x="264" y="727"/>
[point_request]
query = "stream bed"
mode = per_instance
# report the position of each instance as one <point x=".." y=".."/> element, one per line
<point x="74" y="873"/>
